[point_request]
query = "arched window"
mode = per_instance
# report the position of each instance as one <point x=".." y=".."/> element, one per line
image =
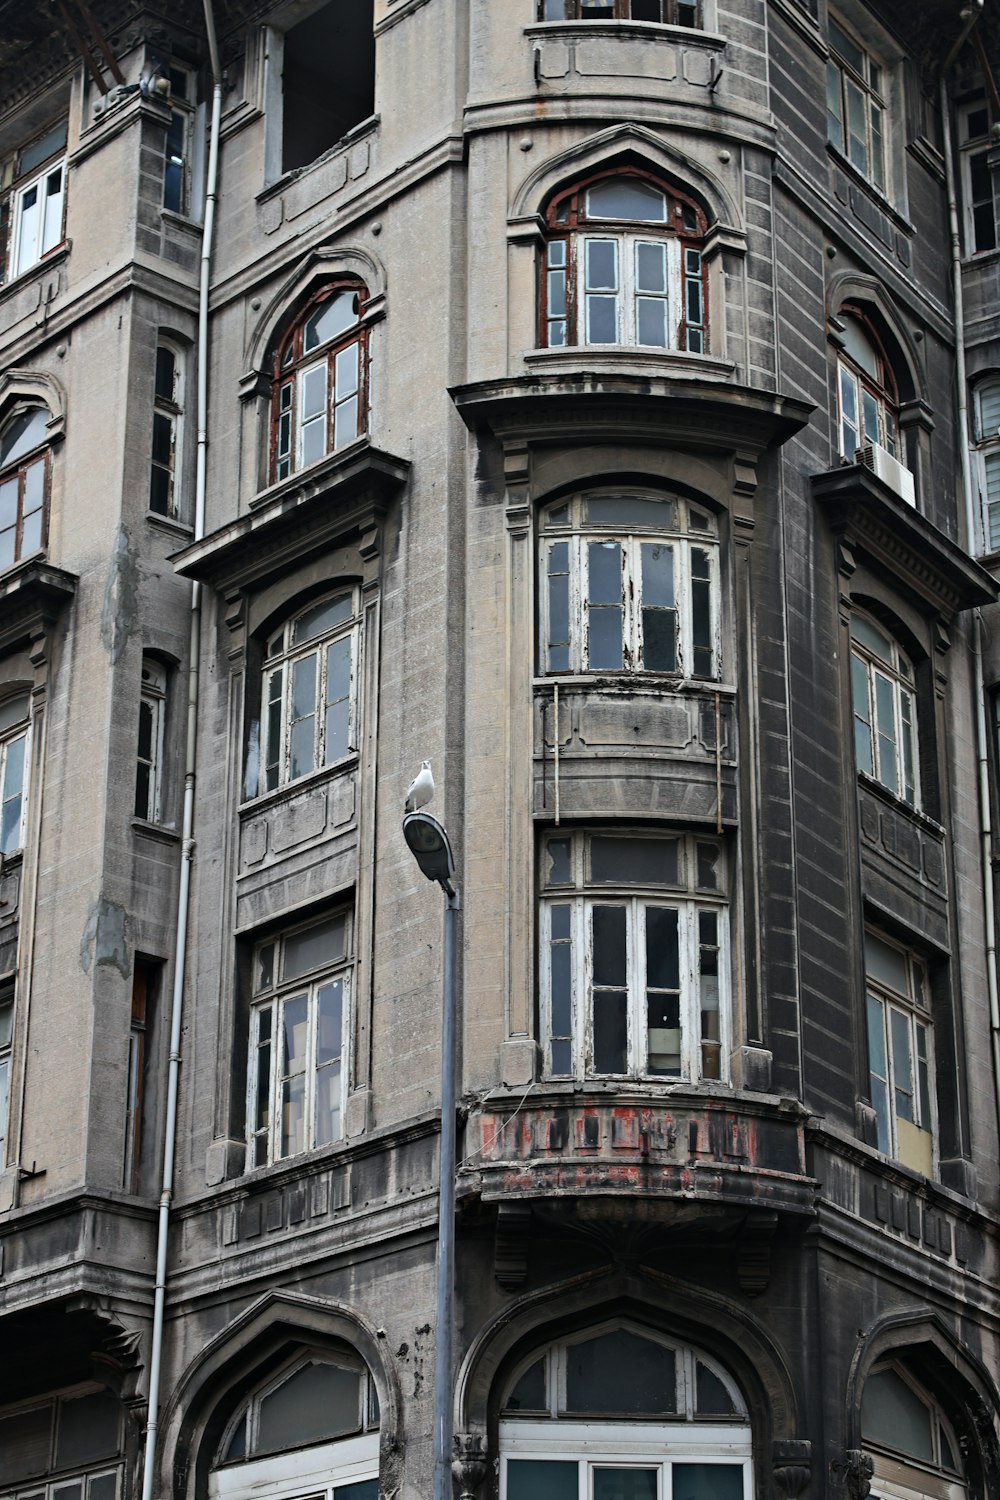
<point x="912" y="1444"/>
<point x="320" y="377"/>
<point x="885" y="709"/>
<point x="311" y="1428"/>
<point x="621" y="1414"/>
<point x="68" y="1447"/>
<point x="987" y="436"/>
<point x="867" y="394"/>
<point x="623" y="265"/>
<point x="24" y="483"/>
<point x="634" y="978"/>
<point x="629" y="583"/>
<point x="309" y="698"/>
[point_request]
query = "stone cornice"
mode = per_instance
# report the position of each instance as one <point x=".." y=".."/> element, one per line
<point x="708" y="414"/>
<point x="925" y="563"/>
<point x="346" y="493"/>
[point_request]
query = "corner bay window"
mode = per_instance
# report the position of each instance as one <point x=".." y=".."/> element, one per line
<point x="24" y="460"/>
<point x="629" y="583"/>
<point x="320" y="380"/>
<point x="308" y="697"/>
<point x="619" y="1414"/>
<point x="34" y="209"/>
<point x="300" y="998"/>
<point x="884" y="700"/>
<point x="623" y="265"/>
<point x="899" y="1053"/>
<point x="634" y="944"/>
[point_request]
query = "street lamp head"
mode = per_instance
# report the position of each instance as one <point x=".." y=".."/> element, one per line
<point x="428" y="843"/>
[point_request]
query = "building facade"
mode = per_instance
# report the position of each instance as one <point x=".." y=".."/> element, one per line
<point x="663" y="518"/>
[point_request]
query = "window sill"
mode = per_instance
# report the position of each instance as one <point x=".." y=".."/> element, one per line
<point x="605" y="26"/>
<point x="873" y="192"/>
<point x="158" y="832"/>
<point x="55" y="257"/>
<point x="972" y="260"/>
<point x="596" y="358"/>
<point x="632" y="682"/>
<point x="170" y="524"/>
<point x="295" y="174"/>
<point x="263" y="801"/>
<point x="899" y="805"/>
<point x="186" y="222"/>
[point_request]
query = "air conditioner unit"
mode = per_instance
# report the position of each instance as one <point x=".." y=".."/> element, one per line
<point x="891" y="472"/>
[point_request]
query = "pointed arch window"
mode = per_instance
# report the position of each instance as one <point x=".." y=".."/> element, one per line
<point x="619" y="1413"/>
<point x="866" y="388"/>
<point x="913" y="1446"/>
<point x="24" y="483"/>
<point x="320" y="379"/>
<point x="312" y="1428"/>
<point x="623" y="266"/>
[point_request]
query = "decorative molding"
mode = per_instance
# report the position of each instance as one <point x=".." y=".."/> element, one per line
<point x="470" y="1464"/>
<point x="791" y="1464"/>
<point x="867" y="516"/>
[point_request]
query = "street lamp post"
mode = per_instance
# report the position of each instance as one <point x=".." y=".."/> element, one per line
<point x="428" y="843"/>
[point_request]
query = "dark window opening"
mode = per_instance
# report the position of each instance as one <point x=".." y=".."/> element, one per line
<point x="328" y="82"/>
<point x="145" y="983"/>
<point x="669" y="12"/>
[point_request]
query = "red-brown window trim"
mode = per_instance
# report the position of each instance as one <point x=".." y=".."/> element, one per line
<point x="679" y="206"/>
<point x="289" y="348"/>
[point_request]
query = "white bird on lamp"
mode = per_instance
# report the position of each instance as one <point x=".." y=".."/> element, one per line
<point x="421" y="788"/>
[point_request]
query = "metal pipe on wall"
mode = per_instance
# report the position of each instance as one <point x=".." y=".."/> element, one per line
<point x="187" y="840"/>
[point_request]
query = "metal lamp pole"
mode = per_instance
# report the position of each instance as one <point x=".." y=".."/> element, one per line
<point x="429" y="845"/>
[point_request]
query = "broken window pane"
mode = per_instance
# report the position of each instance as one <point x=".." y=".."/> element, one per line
<point x="328" y="80"/>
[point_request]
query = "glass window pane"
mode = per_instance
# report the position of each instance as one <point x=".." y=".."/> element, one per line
<point x="662" y="948"/>
<point x="315" y="1404"/>
<point x="602" y="320"/>
<point x="658" y="574"/>
<point x="327" y="1105"/>
<point x="313" y="434"/>
<point x="886" y="964"/>
<point x="651" y="322"/>
<point x="893" y="1414"/>
<point x="630" y="512"/>
<point x="559" y="871"/>
<point x="31" y="533"/>
<point x="902" y="1065"/>
<point x="335" y="316"/>
<point x="535" y="1479"/>
<point x="88" y="1430"/>
<point x="25" y="1441"/>
<point x="630" y="861"/>
<point x="601" y="265"/>
<point x="312" y="392"/>
<point x="712" y="1398"/>
<point x="610" y="1031"/>
<point x="604" y="561"/>
<point x="302" y="758"/>
<point x="345" y="428"/>
<point x="626" y="198"/>
<point x="322" y="617"/>
<point x="329" y="1021"/>
<point x="708" y="1481"/>
<point x="321" y="944"/>
<point x="346" y="372"/>
<point x="620" y="1372"/>
<point x="609" y="928"/>
<point x="23" y="433"/>
<point x="529" y="1392"/>
<point x="650" y="266"/>
<point x="625" y="1484"/>
<point x="364" y="1489"/>
<point x="102" y="1487"/>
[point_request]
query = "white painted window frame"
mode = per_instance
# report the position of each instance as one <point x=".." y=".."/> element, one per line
<point x="273" y="999"/>
<point x="987" y="453"/>
<point x="48" y="233"/>
<point x="682" y="541"/>
<point x="581" y="897"/>
<point x="285" y="660"/>
<point x="842" y="76"/>
<point x="627" y="293"/>
<point x="901" y="680"/>
<point x="153" y="697"/>
<point x="888" y="1001"/>
<point x="17" y="732"/>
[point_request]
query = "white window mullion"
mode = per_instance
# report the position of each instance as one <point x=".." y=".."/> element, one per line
<point x="583" y="995"/>
<point x="635" y="959"/>
<point x="690" y="977"/>
<point x="631" y="603"/>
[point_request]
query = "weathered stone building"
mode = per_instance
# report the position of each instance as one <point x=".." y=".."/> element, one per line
<point x="601" y="399"/>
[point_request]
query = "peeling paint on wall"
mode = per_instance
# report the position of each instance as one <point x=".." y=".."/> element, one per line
<point x="121" y="595"/>
<point x="104" y="938"/>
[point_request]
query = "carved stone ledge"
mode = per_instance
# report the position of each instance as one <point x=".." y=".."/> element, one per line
<point x="469" y="1465"/>
<point x="791" y="1463"/>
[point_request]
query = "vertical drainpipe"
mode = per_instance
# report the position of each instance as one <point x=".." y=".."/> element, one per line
<point x="970" y="15"/>
<point x="187" y="842"/>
